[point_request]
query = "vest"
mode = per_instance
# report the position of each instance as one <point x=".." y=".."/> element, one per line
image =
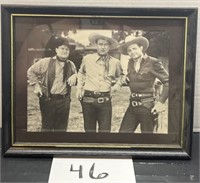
<point x="50" y="75"/>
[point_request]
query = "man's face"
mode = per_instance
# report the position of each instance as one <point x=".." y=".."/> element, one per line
<point x="135" y="51"/>
<point x="102" y="46"/>
<point x="62" y="51"/>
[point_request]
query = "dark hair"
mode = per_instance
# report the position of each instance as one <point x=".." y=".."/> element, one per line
<point x="59" y="42"/>
<point x="53" y="43"/>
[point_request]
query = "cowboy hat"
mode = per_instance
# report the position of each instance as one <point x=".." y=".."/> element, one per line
<point x="54" y="42"/>
<point x="94" y="37"/>
<point x="134" y="40"/>
<point x="59" y="41"/>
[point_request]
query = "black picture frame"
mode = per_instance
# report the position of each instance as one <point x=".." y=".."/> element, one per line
<point x="182" y="26"/>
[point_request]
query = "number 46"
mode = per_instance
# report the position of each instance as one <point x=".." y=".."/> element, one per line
<point x="91" y="172"/>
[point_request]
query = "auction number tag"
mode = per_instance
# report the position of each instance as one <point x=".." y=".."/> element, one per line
<point x="99" y="170"/>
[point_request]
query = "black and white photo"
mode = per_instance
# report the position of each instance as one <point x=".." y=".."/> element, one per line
<point x="94" y="81"/>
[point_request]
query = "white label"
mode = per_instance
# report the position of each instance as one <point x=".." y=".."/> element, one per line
<point x="89" y="170"/>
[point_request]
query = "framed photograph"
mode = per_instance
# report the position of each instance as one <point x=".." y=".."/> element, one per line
<point x="94" y="81"/>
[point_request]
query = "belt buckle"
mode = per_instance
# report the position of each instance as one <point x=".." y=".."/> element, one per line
<point x="135" y="103"/>
<point x="96" y="92"/>
<point x="100" y="100"/>
<point x="133" y="95"/>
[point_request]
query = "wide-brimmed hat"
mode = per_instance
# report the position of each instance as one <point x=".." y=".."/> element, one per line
<point x="54" y="42"/>
<point x="59" y="41"/>
<point x="134" y="40"/>
<point x="94" y="37"/>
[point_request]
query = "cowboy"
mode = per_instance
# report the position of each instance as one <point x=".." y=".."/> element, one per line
<point x="142" y="72"/>
<point x="95" y="77"/>
<point x="52" y="78"/>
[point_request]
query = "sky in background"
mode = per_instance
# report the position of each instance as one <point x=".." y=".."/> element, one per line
<point x="81" y="36"/>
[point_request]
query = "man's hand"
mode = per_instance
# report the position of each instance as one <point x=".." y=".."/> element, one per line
<point x="72" y="80"/>
<point x="158" y="108"/>
<point x="80" y="94"/>
<point x="38" y="90"/>
<point x="125" y="80"/>
<point x="115" y="88"/>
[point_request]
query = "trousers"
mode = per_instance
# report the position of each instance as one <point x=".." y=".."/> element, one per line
<point x="97" y="113"/>
<point x="55" y="113"/>
<point x="135" y="116"/>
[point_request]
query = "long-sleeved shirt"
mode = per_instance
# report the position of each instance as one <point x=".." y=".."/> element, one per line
<point x="38" y="73"/>
<point x="143" y="80"/>
<point x="96" y="74"/>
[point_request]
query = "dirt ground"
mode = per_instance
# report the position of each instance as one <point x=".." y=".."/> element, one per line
<point x="119" y="102"/>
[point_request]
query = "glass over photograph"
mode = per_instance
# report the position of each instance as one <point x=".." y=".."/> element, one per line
<point x="120" y="83"/>
<point x="94" y="75"/>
